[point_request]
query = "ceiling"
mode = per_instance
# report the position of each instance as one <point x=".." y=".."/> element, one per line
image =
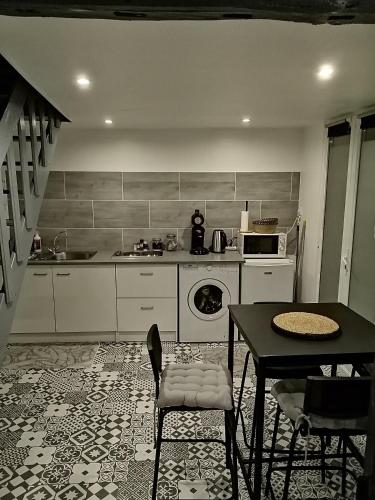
<point x="175" y="74"/>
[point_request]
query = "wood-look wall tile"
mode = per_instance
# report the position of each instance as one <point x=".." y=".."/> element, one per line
<point x="173" y="213"/>
<point x="121" y="213"/>
<point x="285" y="211"/>
<point x="207" y="186"/>
<point x="55" y="186"/>
<point x="132" y="236"/>
<point x="95" y="239"/>
<point x="65" y="213"/>
<point x="151" y="186"/>
<point x="295" y="185"/>
<point x="263" y="185"/>
<point x="228" y="213"/>
<point x="93" y="185"/>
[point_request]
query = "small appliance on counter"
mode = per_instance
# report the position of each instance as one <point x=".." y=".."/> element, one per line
<point x="219" y="241"/>
<point x="263" y="245"/>
<point x="197" y="234"/>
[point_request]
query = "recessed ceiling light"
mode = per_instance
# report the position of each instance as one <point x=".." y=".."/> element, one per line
<point x="83" y="82"/>
<point x="325" y="72"/>
<point x="108" y="121"/>
<point x="245" y="120"/>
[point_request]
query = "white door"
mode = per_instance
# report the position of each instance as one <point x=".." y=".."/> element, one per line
<point x="362" y="273"/>
<point x="35" y="308"/>
<point x="336" y="188"/>
<point x="356" y="281"/>
<point x="85" y="298"/>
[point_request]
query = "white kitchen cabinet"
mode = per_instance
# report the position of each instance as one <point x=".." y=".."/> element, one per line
<point x="137" y="315"/>
<point x="146" y="280"/>
<point x="35" y="306"/>
<point x="267" y="280"/>
<point x="146" y="294"/>
<point x="85" y="298"/>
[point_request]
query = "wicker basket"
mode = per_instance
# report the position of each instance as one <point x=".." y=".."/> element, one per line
<point x="267" y="226"/>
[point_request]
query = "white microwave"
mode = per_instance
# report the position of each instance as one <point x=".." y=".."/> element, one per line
<point x="263" y="245"/>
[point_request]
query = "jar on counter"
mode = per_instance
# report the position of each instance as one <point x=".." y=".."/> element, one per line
<point x="157" y="244"/>
<point x="171" y="243"/>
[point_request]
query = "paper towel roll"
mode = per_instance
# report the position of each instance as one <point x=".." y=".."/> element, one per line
<point x="244" y="221"/>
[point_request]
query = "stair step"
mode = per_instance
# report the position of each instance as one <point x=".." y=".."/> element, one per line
<point x="18" y="163"/>
<point x="28" y="138"/>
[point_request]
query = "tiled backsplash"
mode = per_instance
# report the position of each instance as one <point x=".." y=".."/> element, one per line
<point x="112" y="210"/>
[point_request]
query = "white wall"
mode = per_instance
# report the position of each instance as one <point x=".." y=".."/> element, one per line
<point x="247" y="149"/>
<point x="312" y="195"/>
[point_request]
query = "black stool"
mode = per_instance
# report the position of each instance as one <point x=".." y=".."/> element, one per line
<point x="192" y="387"/>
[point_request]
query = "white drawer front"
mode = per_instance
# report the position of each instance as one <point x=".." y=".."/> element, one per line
<point x="137" y="315"/>
<point x="146" y="281"/>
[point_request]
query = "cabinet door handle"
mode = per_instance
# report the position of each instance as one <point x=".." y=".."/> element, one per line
<point x="62" y="274"/>
<point x="268" y="272"/>
<point x="146" y="274"/>
<point x="40" y="274"/>
<point x="148" y="308"/>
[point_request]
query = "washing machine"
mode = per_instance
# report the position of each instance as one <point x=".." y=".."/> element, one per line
<point x="205" y="291"/>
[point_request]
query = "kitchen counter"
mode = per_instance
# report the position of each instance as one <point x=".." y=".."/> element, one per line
<point x="179" y="257"/>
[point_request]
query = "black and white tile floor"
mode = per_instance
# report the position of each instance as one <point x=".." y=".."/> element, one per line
<point x="87" y="434"/>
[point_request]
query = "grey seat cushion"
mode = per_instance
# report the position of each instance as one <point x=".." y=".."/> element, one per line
<point x="196" y="385"/>
<point x="290" y="395"/>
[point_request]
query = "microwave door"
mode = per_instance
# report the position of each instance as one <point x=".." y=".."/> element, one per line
<point x="267" y="244"/>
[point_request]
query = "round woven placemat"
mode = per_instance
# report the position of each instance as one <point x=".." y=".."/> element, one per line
<point x="305" y="325"/>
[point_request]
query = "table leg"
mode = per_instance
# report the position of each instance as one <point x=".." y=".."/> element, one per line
<point x="231" y="346"/>
<point x="259" y="422"/>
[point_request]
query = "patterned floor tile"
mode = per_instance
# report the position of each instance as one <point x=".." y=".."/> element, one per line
<point x="197" y="489"/>
<point x="57" y="473"/>
<point x="72" y="492"/>
<point x="137" y="490"/>
<point x="41" y="491"/>
<point x="87" y="433"/>
<point x="102" y="491"/>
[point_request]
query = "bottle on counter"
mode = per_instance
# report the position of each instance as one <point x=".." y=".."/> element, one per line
<point x="37" y="243"/>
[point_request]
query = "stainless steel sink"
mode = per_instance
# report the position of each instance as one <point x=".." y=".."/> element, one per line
<point x="68" y="255"/>
<point x="145" y="253"/>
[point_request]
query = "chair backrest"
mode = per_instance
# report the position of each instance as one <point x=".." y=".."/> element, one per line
<point x="155" y="352"/>
<point x="337" y="397"/>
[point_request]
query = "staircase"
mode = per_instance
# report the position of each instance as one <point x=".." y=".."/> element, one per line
<point x="28" y="131"/>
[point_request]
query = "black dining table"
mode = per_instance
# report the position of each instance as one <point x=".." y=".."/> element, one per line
<point x="355" y="344"/>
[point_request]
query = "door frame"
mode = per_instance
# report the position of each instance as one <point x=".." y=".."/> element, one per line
<point x="350" y="203"/>
<point x="351" y="168"/>
<point x="350" y="208"/>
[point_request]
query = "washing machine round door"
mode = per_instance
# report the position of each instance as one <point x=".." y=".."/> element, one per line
<point x="208" y="299"/>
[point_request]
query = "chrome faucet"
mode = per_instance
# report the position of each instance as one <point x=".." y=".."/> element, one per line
<point x="55" y="248"/>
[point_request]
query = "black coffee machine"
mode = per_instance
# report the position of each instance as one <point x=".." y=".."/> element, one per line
<point x="197" y="234"/>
